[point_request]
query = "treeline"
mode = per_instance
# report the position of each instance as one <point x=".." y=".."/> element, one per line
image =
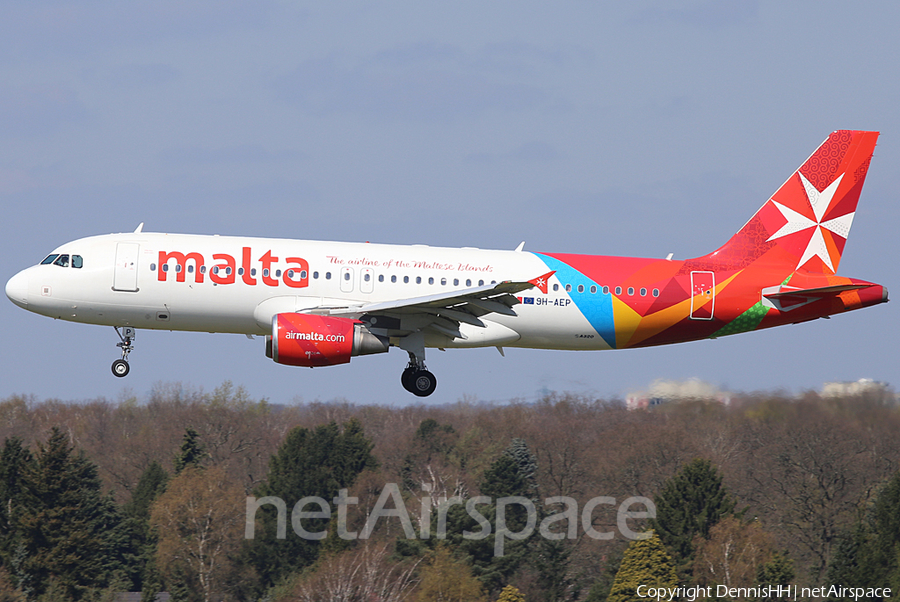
<point x="100" y="497"/>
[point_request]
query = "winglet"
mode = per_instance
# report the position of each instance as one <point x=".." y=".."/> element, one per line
<point x="541" y="281"/>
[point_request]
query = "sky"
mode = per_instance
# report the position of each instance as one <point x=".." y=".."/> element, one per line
<point x="637" y="129"/>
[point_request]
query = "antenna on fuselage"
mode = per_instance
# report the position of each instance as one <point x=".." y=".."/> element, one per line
<point x="520" y="247"/>
<point x="140" y="228"/>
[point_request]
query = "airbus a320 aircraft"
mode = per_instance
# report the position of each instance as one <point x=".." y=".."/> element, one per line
<point x="321" y="303"/>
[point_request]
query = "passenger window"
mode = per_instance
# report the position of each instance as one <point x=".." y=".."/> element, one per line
<point x="77" y="262"/>
<point x="630" y="290"/>
<point x="568" y="288"/>
<point x="443" y="281"/>
<point x="656" y="292"/>
<point x="468" y="282"/>
<point x="481" y="283"/>
<point x="62" y="261"/>
<point x="593" y="290"/>
<point x="394" y="279"/>
<point x="618" y="290"/>
<point x="418" y="280"/>
<point x="456" y="282"/>
<point x="555" y="287"/>
<point x="346" y="275"/>
<point x="431" y="281"/>
<point x="406" y="280"/>
<point x="380" y="277"/>
<point x="253" y="271"/>
<point x="152" y="267"/>
<point x="315" y="275"/>
<point x="643" y="292"/>
<point x="49" y="259"/>
<point x="580" y="288"/>
<point x="366" y="277"/>
<point x="327" y="275"/>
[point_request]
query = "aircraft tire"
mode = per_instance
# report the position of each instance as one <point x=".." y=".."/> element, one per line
<point x="406" y="378"/>
<point x="120" y="368"/>
<point x="423" y="383"/>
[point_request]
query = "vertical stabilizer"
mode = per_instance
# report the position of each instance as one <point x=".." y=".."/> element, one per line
<point x="805" y="224"/>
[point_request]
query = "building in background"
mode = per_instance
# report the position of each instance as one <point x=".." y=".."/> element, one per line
<point x="667" y="391"/>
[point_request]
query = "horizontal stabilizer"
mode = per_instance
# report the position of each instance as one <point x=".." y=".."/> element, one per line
<point x="806" y="293"/>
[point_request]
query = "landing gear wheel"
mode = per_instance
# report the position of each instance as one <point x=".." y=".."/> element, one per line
<point x="120" y="368"/>
<point x="423" y="383"/>
<point x="406" y="378"/>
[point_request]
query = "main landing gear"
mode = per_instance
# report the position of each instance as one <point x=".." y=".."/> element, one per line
<point x="417" y="380"/>
<point x="120" y="367"/>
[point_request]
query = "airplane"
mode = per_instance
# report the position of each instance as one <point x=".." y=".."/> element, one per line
<point x="321" y="303"/>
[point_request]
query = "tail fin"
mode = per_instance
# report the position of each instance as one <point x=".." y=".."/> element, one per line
<point x="806" y="222"/>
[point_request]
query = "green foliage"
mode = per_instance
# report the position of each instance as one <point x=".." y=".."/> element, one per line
<point x="192" y="452"/>
<point x="431" y="441"/>
<point x="779" y="570"/>
<point x="511" y="593"/>
<point x="869" y="554"/>
<point x="526" y="461"/>
<point x="151" y="484"/>
<point x="71" y="537"/>
<point x="689" y="505"/>
<point x="502" y="479"/>
<point x="14" y="460"/>
<point x="143" y="540"/>
<point x="309" y="463"/>
<point x="645" y="562"/>
<point x="447" y="579"/>
<point x="599" y="591"/>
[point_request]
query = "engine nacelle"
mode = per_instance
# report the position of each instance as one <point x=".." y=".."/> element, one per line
<point x="311" y="340"/>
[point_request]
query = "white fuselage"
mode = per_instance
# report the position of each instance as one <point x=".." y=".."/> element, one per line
<point x="237" y="284"/>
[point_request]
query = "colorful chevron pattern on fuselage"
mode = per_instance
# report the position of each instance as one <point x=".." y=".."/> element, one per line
<point x="778" y="269"/>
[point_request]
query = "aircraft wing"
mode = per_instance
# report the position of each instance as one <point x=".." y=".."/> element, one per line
<point x="443" y="312"/>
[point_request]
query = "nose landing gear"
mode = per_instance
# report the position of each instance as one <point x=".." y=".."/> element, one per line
<point x="120" y="367"/>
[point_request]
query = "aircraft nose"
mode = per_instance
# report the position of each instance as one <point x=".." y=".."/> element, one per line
<point x="17" y="289"/>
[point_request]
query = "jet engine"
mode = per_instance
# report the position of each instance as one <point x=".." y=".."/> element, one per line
<point x="311" y="340"/>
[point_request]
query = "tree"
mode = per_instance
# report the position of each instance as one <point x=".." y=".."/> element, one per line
<point x="150" y="486"/>
<point x="779" y="570"/>
<point x="869" y="555"/>
<point x="502" y="479"/>
<point x="362" y="574"/>
<point x="200" y="520"/>
<point x="689" y="505"/>
<point x="309" y="463"/>
<point x="14" y="460"/>
<point x="192" y="453"/>
<point x="511" y="593"/>
<point x="645" y="562"/>
<point x="448" y="580"/>
<point x="69" y="533"/>
<point x="733" y="555"/>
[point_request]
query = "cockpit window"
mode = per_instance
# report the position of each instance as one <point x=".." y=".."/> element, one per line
<point x="77" y="261"/>
<point x="62" y="260"/>
<point x="49" y="259"/>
